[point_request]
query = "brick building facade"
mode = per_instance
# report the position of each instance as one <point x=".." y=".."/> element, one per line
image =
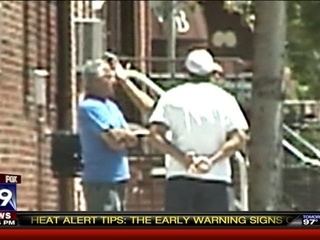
<point x="29" y="40"/>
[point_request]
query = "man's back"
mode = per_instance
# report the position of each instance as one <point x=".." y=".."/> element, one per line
<point x="198" y="111"/>
<point x="199" y="116"/>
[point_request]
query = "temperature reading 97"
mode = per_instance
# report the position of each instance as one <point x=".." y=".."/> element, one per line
<point x="309" y="221"/>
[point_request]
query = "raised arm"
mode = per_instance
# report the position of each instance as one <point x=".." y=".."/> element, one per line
<point x="139" y="97"/>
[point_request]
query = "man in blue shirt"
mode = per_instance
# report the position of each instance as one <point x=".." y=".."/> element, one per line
<point x="104" y="136"/>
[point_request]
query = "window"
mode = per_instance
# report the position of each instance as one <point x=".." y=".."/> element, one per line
<point x="89" y="40"/>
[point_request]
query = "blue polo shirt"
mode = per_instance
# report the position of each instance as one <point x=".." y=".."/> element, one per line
<point x="101" y="163"/>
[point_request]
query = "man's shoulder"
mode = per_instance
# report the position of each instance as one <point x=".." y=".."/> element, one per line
<point x="91" y="105"/>
<point x="178" y="90"/>
<point x="218" y="91"/>
<point x="112" y="105"/>
<point x="195" y="90"/>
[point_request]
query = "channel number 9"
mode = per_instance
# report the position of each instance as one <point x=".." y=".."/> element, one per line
<point x="5" y="197"/>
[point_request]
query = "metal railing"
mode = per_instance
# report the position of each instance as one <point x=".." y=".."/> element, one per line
<point x="302" y="141"/>
<point x="157" y="64"/>
<point x="313" y="161"/>
<point x="243" y="163"/>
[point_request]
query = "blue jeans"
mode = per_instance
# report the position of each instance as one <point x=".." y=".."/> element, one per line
<point x="104" y="196"/>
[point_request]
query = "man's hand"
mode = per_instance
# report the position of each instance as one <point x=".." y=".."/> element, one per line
<point x="111" y="59"/>
<point x="130" y="139"/>
<point x="199" y="164"/>
<point x="204" y="165"/>
<point x="120" y="139"/>
<point x="115" y="65"/>
<point x="120" y="71"/>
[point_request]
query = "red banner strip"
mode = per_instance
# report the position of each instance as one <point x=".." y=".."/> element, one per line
<point x="259" y="234"/>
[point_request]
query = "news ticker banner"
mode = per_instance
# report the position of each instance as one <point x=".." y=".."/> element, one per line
<point x="43" y="219"/>
<point x="9" y="217"/>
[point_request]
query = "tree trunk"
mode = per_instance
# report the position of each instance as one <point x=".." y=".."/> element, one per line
<point x="266" y="157"/>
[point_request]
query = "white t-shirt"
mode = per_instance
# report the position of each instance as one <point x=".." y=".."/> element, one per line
<point x="199" y="116"/>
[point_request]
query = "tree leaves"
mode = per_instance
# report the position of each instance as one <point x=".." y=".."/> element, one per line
<point x="303" y="45"/>
<point x="303" y="38"/>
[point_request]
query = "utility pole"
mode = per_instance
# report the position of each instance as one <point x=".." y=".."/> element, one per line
<point x="66" y="187"/>
<point x="266" y="156"/>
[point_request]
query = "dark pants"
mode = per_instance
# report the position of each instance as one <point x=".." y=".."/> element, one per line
<point x="104" y="196"/>
<point x="188" y="195"/>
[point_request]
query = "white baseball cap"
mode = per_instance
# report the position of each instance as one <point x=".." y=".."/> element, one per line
<point x="200" y="62"/>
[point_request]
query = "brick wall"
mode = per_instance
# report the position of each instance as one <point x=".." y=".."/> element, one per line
<point x="28" y="40"/>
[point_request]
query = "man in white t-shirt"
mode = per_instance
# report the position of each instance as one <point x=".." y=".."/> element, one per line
<point x="207" y="126"/>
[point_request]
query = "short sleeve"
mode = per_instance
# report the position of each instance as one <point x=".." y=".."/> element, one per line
<point x="95" y="118"/>
<point x="234" y="118"/>
<point x="159" y="113"/>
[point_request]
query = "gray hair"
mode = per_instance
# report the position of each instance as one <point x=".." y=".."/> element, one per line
<point x="94" y="69"/>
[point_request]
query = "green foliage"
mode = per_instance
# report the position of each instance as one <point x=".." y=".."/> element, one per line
<point x="303" y="50"/>
<point x="303" y="38"/>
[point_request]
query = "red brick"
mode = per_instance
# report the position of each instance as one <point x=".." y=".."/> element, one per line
<point x="18" y="149"/>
